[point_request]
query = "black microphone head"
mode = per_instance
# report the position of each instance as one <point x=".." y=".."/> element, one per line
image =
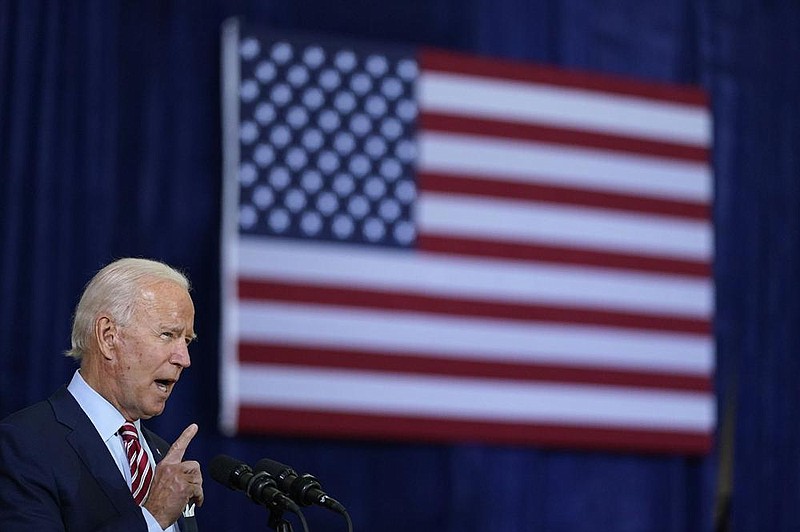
<point x="273" y="468"/>
<point x="227" y="470"/>
<point x="259" y="487"/>
<point x="303" y="489"/>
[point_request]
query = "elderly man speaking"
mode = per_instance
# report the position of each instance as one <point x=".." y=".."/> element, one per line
<point x="82" y="460"/>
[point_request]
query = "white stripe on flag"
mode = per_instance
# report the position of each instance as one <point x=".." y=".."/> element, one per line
<point x="486" y="279"/>
<point x="572" y="227"/>
<point x="475" y="399"/>
<point x="592" y="169"/>
<point x="392" y="332"/>
<point x="517" y="101"/>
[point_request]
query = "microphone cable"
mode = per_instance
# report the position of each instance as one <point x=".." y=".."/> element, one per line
<point x="349" y="522"/>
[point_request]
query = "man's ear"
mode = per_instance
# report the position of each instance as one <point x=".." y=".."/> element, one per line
<point x="105" y="332"/>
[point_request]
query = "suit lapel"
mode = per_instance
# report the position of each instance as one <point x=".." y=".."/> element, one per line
<point x="91" y="449"/>
<point x="157" y="445"/>
<point x="94" y="454"/>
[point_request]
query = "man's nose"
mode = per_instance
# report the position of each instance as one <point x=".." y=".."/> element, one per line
<point x="180" y="355"/>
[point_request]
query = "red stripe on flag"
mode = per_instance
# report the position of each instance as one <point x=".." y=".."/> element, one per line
<point x="439" y="182"/>
<point x="414" y="363"/>
<point x="451" y="62"/>
<point x="328" y="295"/>
<point x="430" y="121"/>
<point x="257" y="420"/>
<point x="559" y="255"/>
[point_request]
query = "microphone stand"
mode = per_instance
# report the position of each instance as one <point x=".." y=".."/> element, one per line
<point x="277" y="522"/>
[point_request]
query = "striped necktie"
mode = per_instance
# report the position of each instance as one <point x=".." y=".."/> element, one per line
<point x="141" y="472"/>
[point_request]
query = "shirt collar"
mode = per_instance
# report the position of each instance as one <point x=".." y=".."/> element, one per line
<point x="103" y="415"/>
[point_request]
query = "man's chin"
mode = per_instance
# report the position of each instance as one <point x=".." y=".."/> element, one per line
<point x="155" y="410"/>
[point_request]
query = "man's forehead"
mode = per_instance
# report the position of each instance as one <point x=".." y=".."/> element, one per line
<point x="163" y="295"/>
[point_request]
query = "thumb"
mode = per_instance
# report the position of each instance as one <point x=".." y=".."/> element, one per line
<point x="177" y="449"/>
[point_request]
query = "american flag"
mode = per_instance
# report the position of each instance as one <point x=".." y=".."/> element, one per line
<point x="430" y="246"/>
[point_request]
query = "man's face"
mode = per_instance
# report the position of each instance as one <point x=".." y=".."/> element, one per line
<point x="153" y="350"/>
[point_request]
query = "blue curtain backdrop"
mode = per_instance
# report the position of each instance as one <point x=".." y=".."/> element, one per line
<point x="110" y="146"/>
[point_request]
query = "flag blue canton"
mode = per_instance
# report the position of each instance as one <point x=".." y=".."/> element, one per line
<point x="327" y="139"/>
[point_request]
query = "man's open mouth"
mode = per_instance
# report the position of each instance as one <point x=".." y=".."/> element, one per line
<point x="164" y="384"/>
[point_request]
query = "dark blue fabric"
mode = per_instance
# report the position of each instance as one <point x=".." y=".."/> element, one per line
<point x="110" y="146"/>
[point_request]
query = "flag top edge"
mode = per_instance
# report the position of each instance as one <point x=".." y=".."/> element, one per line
<point x="525" y="71"/>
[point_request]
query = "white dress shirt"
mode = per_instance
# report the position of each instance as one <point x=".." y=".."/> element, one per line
<point x="107" y="420"/>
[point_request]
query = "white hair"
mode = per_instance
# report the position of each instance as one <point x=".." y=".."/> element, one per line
<point x="114" y="290"/>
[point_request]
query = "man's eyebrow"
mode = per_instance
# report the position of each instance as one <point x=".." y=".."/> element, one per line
<point x="178" y="329"/>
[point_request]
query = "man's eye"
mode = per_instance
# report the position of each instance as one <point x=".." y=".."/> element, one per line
<point x="167" y="334"/>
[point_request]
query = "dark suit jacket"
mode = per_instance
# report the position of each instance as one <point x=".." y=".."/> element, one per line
<point x="56" y="474"/>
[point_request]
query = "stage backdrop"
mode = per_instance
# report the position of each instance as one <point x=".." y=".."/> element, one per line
<point x="111" y="145"/>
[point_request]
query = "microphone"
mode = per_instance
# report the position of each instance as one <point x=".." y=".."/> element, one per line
<point x="259" y="487"/>
<point x="303" y="489"/>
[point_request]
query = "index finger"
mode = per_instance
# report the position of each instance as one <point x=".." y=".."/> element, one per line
<point x="176" y="450"/>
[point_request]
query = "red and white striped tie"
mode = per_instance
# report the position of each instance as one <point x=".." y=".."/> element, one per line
<point x="141" y="472"/>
